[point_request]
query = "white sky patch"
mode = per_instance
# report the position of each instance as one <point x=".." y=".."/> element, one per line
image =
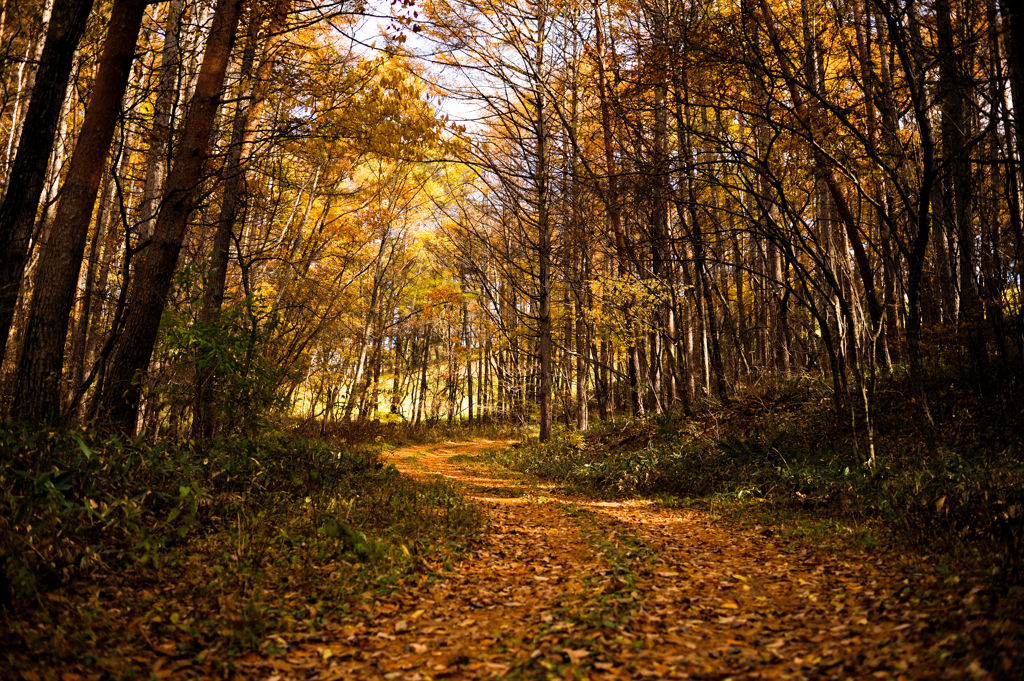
<point x="374" y="35"/>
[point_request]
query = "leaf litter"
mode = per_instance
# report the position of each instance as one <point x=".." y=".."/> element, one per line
<point x="567" y="587"/>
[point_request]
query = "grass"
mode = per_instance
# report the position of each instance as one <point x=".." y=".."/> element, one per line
<point x="468" y="458"/>
<point x="118" y="546"/>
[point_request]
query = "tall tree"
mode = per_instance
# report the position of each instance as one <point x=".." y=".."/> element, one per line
<point x="28" y="172"/>
<point x="163" y="110"/>
<point x="153" y="280"/>
<point x="39" y="374"/>
<point x="244" y="129"/>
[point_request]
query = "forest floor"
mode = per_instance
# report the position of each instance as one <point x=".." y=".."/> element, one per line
<point x="558" y="586"/>
<point x="563" y="587"/>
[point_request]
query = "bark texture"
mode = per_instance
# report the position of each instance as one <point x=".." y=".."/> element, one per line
<point x="39" y="372"/>
<point x="130" y="360"/>
<point x="28" y="173"/>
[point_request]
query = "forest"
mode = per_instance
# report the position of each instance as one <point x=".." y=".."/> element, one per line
<point x="635" y="208"/>
<point x="769" y="249"/>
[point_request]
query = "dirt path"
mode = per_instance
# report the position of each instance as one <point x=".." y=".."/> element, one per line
<point x="565" y="588"/>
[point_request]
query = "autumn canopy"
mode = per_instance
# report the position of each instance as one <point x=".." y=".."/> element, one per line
<point x="332" y="212"/>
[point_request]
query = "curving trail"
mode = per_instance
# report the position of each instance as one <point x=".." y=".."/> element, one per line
<point x="569" y="588"/>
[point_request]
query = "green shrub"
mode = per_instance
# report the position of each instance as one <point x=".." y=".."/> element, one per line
<point x="245" y="388"/>
<point x="74" y="501"/>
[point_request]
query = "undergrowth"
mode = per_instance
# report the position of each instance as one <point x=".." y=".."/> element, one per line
<point x="399" y="433"/>
<point x="109" y="541"/>
<point x="776" y="450"/>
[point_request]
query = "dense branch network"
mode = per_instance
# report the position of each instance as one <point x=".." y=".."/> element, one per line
<point x="628" y="207"/>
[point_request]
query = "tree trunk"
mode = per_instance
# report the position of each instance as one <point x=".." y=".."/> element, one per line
<point x="582" y="350"/>
<point x="422" y="400"/>
<point x="814" y="128"/>
<point x="28" y="173"/>
<point x="955" y="130"/>
<point x="1013" y="15"/>
<point x="42" y="361"/>
<point x="544" y="236"/>
<point x="163" y="110"/>
<point x="243" y="134"/>
<point x="153" y="281"/>
<point x="84" y="320"/>
<point x="469" y="358"/>
<point x="485" y="394"/>
<point x="26" y="80"/>
<point x="611" y="200"/>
